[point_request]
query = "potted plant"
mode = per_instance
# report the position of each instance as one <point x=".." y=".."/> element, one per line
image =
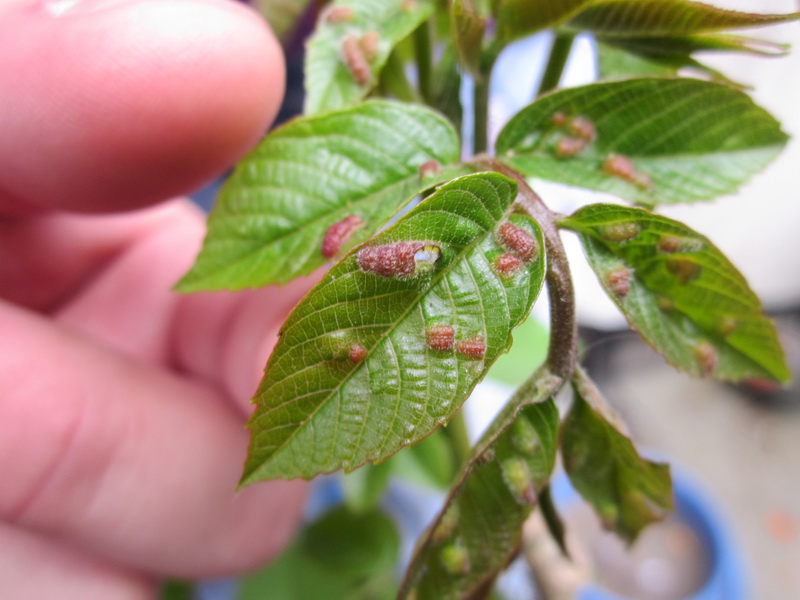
<point x="438" y="246"/>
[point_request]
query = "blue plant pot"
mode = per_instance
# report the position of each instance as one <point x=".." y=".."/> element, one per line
<point x="727" y="579"/>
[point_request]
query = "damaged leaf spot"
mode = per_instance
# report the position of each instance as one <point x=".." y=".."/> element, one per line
<point x="400" y="259"/>
<point x="338" y="233"/>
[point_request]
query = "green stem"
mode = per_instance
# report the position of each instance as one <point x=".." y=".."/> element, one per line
<point x="457" y="434"/>
<point x="563" y="351"/>
<point x="394" y="80"/>
<point x="559" y="53"/>
<point x="481" y="114"/>
<point x="423" y="54"/>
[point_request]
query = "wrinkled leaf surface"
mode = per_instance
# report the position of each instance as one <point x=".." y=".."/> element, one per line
<point x="627" y="491"/>
<point x="319" y="410"/>
<point x="680" y="293"/>
<point x="273" y="213"/>
<point x="687" y="140"/>
<point x="330" y="80"/>
<point x="666" y="17"/>
<point x="475" y="535"/>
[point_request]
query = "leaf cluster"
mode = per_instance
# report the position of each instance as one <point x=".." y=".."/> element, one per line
<point x="435" y="258"/>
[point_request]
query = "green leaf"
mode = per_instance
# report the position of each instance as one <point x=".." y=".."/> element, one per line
<point x="467" y="27"/>
<point x="627" y="491"/>
<point x="430" y="463"/>
<point x="666" y="17"/>
<point x="352" y="378"/>
<point x="685" y="140"/>
<point x="282" y="15"/>
<point x="473" y="538"/>
<point x="274" y="211"/>
<point x="353" y="543"/>
<point x="364" y="487"/>
<point x="517" y="18"/>
<point x="681" y="46"/>
<point x="338" y="72"/>
<point x="664" y="56"/>
<point x="617" y="63"/>
<point x="446" y="88"/>
<point x="175" y="589"/>
<point x="342" y="555"/>
<point x="555" y="526"/>
<point x="680" y="293"/>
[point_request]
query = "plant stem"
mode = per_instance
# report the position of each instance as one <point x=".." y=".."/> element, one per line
<point x="457" y="434"/>
<point x="422" y="52"/>
<point x="563" y="351"/>
<point x="559" y="53"/>
<point x="394" y="80"/>
<point x="481" y="114"/>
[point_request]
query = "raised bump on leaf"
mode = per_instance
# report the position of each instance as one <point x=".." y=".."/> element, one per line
<point x="338" y="233"/>
<point x="507" y="265"/>
<point x="440" y="337"/>
<point x="474" y="348"/>
<point x="582" y="128"/>
<point x="619" y="281"/>
<point x="621" y="232"/>
<point x="400" y="259"/>
<point x="355" y="60"/>
<point x="569" y="147"/>
<point x="516" y="239"/>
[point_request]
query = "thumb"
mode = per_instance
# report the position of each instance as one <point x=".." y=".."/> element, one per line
<point x="116" y="104"/>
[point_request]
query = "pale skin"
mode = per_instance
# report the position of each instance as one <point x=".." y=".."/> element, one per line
<point x="122" y="403"/>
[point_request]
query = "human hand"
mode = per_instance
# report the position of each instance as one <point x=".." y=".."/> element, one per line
<point x="122" y="403"/>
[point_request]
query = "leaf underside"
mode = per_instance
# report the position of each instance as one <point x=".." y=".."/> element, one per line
<point x="273" y="212"/>
<point x="622" y="58"/>
<point x="627" y="491"/>
<point x="687" y="140"/>
<point x="684" y="298"/>
<point x="623" y="18"/>
<point x="472" y="540"/>
<point x="319" y="411"/>
<point x="516" y="18"/>
<point x="330" y="83"/>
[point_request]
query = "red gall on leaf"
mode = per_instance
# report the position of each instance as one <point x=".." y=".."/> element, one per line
<point x="356" y="353"/>
<point x="338" y="233"/>
<point x="429" y="169"/>
<point x="369" y="45"/>
<point x="440" y="337"/>
<point x="558" y="119"/>
<point x="684" y="269"/>
<point x="408" y="5"/>
<point x="507" y="265"/>
<point x="706" y="357"/>
<point x="620" y="232"/>
<point x="619" y="281"/>
<point x="569" y="147"/>
<point x="519" y="241"/>
<point x="474" y="348"/>
<point x="355" y="60"/>
<point x="621" y="166"/>
<point x="669" y="244"/>
<point x="339" y="14"/>
<point x="582" y="128"/>
<point x="400" y="259"/>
